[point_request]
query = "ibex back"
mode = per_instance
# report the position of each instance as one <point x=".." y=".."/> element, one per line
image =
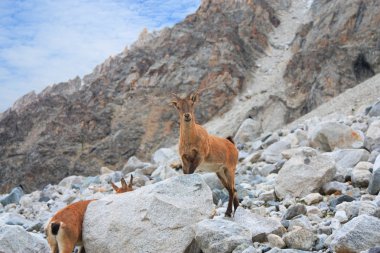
<point x="205" y="152"/>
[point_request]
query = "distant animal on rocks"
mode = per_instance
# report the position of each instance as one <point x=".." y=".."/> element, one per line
<point x="64" y="229"/>
<point x="205" y="152"/>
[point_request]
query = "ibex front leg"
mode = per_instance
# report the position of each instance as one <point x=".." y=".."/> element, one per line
<point x="190" y="162"/>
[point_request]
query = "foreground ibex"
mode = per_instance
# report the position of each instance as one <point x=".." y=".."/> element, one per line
<point x="198" y="149"/>
<point x="64" y="229"/>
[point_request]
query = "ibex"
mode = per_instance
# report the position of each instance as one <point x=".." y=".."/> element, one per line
<point x="64" y="229"/>
<point x="124" y="186"/>
<point x="198" y="149"/>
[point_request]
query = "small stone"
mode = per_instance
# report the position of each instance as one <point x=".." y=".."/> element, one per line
<point x="214" y="236"/>
<point x="294" y="211"/>
<point x="300" y="221"/>
<point x="300" y="238"/>
<point x="375" y="110"/>
<point x="361" y="174"/>
<point x="334" y="187"/>
<point x="339" y="200"/>
<point x="341" y="216"/>
<point x="374" y="183"/>
<point x="13" y="197"/>
<point x="313" y="198"/>
<point x="330" y="135"/>
<point x="267" y="196"/>
<point x="275" y="241"/>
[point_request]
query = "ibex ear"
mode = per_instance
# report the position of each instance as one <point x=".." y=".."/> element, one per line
<point x="123" y="183"/>
<point x="174" y="102"/>
<point x="114" y="186"/>
<point x="194" y="97"/>
<point x="130" y="181"/>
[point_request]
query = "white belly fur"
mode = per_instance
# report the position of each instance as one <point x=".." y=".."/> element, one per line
<point x="209" y="167"/>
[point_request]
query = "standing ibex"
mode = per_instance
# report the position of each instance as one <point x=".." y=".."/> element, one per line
<point x="198" y="149"/>
<point x="64" y="229"/>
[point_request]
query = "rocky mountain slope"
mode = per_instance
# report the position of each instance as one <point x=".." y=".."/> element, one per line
<point x="271" y="61"/>
<point x="122" y="108"/>
<point x="310" y="187"/>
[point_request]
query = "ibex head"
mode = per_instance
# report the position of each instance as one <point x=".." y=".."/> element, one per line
<point x="185" y="106"/>
<point x="124" y="186"/>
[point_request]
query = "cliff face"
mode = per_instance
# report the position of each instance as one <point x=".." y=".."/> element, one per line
<point x="338" y="49"/>
<point x="121" y="109"/>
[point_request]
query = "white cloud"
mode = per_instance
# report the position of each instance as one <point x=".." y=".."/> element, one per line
<point x="44" y="42"/>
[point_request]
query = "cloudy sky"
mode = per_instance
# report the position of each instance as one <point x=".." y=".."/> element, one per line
<point x="49" y="41"/>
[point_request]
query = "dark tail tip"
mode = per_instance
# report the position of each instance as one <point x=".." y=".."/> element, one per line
<point x="230" y="139"/>
<point x="55" y="228"/>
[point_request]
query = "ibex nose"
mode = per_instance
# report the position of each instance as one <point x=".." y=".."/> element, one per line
<point x="187" y="116"/>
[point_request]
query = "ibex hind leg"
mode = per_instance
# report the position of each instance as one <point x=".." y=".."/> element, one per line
<point x="236" y="201"/>
<point x="222" y="177"/>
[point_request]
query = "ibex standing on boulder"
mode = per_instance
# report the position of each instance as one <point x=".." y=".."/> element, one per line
<point x="64" y="229"/>
<point x="198" y="149"/>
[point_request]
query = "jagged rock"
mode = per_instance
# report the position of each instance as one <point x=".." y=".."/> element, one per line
<point x="300" y="238"/>
<point x="248" y="131"/>
<point x="13" y="197"/>
<point x="302" y="175"/>
<point x="374" y="183"/>
<point x="361" y="174"/>
<point x="258" y="224"/>
<point x="16" y="239"/>
<point x="359" y="234"/>
<point x="166" y="210"/>
<point x="330" y="135"/>
<point x="220" y="236"/>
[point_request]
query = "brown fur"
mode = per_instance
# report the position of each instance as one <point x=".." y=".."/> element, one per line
<point x="204" y="151"/>
<point x="64" y="229"/>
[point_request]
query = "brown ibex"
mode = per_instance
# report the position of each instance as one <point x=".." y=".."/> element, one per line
<point x="198" y="149"/>
<point x="64" y="229"/>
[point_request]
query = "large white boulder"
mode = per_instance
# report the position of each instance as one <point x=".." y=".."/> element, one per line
<point x="302" y="175"/>
<point x="155" y="218"/>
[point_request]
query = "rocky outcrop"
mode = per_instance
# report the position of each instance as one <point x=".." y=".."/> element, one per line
<point x="121" y="109"/>
<point x="335" y="51"/>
